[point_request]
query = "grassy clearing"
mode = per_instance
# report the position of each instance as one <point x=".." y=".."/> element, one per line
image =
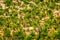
<point x="29" y="20"/>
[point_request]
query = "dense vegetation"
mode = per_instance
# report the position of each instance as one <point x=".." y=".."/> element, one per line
<point x="30" y="20"/>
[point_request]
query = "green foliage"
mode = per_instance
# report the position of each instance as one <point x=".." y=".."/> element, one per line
<point x="25" y="1"/>
<point x="6" y="32"/>
<point x="32" y="13"/>
<point x="14" y="13"/>
<point x="27" y="15"/>
<point x="54" y="0"/>
<point x="8" y="2"/>
<point x="44" y="32"/>
<point x="13" y="19"/>
<point x="50" y="13"/>
<point x="1" y="21"/>
<point x="30" y="36"/>
<point x="52" y="5"/>
<point x="55" y="27"/>
<point x="14" y="25"/>
<point x="58" y="34"/>
<point x="33" y="22"/>
<point x="38" y="37"/>
<point x="19" y="35"/>
<point x="1" y="11"/>
<point x="19" y="3"/>
<point x="55" y="34"/>
<point x="38" y="1"/>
